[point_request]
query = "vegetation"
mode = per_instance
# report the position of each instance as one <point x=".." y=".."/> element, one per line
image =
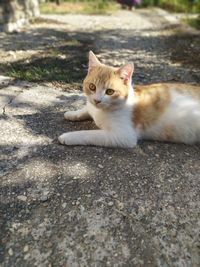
<point x="194" y="22"/>
<point x="74" y="6"/>
<point x="52" y="64"/>
<point x="192" y="6"/>
<point x="103" y="5"/>
<point x="183" y="6"/>
<point x="108" y="6"/>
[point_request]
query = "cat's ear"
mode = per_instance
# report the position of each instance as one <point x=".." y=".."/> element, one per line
<point x="93" y="61"/>
<point x="126" y="72"/>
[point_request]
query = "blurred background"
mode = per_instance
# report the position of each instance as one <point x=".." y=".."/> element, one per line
<point x="106" y="6"/>
<point x="40" y="38"/>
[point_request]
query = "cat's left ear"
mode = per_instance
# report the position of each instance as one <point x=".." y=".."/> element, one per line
<point x="93" y="61"/>
<point x="126" y="72"/>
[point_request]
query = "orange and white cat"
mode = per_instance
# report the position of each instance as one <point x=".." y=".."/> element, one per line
<point x="163" y="112"/>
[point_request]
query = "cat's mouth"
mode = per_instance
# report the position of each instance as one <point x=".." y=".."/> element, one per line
<point x="106" y="106"/>
<point x="99" y="105"/>
<point x="96" y="104"/>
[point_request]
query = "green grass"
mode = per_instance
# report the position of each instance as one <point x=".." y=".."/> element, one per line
<point x="35" y="74"/>
<point x="79" y="7"/>
<point x="174" y="5"/>
<point x="195" y="23"/>
<point x="60" y="63"/>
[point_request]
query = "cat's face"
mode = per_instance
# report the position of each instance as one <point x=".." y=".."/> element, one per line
<point x="107" y="87"/>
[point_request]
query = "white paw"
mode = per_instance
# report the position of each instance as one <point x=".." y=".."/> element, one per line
<point x="65" y="139"/>
<point x="71" y="115"/>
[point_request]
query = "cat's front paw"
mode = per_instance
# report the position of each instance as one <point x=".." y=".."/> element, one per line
<point x="64" y="139"/>
<point x="71" y="116"/>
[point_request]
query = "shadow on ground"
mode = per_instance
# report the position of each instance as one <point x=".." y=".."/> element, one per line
<point x="62" y="56"/>
<point x="89" y="204"/>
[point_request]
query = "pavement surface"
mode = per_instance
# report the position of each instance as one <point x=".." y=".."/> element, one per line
<point x="91" y="206"/>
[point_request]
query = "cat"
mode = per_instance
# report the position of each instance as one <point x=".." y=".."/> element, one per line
<point x="163" y="112"/>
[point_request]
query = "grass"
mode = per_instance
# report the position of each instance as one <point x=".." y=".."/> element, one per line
<point x="35" y="74"/>
<point x="60" y="63"/>
<point x="182" y="6"/>
<point x="179" y="6"/>
<point x="194" y="22"/>
<point x="94" y="7"/>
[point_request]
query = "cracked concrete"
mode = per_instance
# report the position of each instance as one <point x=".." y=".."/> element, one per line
<point x="92" y="206"/>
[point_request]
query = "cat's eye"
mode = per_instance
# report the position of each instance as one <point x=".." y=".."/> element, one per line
<point x="92" y="87"/>
<point x="110" y="91"/>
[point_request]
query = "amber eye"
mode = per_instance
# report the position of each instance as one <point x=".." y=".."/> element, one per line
<point x="110" y="91"/>
<point x="92" y="87"/>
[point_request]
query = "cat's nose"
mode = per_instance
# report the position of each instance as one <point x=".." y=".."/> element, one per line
<point x="97" y="101"/>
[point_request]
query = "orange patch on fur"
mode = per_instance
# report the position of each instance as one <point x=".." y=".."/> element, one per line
<point x="150" y="103"/>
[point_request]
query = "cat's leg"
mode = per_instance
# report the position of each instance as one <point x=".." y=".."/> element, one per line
<point x="77" y="115"/>
<point x="99" y="138"/>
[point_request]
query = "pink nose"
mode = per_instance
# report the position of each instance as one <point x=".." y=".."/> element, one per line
<point x="97" y="101"/>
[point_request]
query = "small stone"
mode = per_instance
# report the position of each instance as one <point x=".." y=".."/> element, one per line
<point x="26" y="248"/>
<point x="27" y="256"/>
<point x="120" y="205"/>
<point x="10" y="251"/>
<point x="100" y="166"/>
<point x="43" y="198"/>
<point x="12" y="53"/>
<point x="62" y="56"/>
<point x="22" y="198"/>
<point x="45" y="193"/>
<point x="64" y="205"/>
<point x="110" y="204"/>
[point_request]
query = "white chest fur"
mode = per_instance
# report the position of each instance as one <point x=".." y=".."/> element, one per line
<point x="100" y="117"/>
<point x="117" y="121"/>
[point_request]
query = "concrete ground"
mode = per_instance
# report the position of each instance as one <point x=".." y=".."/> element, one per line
<point x="92" y="206"/>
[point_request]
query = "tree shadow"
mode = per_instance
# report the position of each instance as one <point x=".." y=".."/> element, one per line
<point x="63" y="56"/>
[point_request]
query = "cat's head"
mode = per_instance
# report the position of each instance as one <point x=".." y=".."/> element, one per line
<point x="107" y="87"/>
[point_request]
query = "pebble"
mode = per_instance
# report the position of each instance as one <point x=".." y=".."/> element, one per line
<point x="26" y="248"/>
<point x="27" y="256"/>
<point x="10" y="251"/>
<point x="43" y="198"/>
<point x="110" y="204"/>
<point x="100" y="166"/>
<point x="64" y="205"/>
<point x="12" y="53"/>
<point x="22" y="198"/>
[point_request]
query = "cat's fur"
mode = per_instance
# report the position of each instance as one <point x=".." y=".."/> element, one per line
<point x="164" y="111"/>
